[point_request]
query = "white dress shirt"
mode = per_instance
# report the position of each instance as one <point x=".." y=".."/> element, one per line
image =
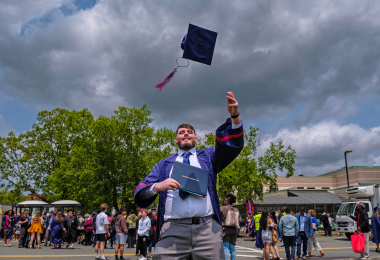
<point x="193" y="205"/>
<point x="302" y="224"/>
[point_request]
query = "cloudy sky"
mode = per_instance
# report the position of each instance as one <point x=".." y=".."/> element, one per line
<point x="304" y="72"/>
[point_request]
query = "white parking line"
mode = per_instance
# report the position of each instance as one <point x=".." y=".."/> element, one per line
<point x="249" y="249"/>
<point x="251" y="256"/>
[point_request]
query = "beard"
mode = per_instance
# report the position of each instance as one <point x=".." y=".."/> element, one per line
<point x="186" y="146"/>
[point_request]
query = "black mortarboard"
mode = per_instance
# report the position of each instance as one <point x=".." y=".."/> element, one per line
<point x="199" y="44"/>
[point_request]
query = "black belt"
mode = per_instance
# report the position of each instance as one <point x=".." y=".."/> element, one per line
<point x="192" y="221"/>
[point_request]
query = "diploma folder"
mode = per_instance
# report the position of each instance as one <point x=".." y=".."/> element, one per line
<point x="192" y="179"/>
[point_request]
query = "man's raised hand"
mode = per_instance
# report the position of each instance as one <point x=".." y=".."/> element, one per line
<point x="168" y="184"/>
<point x="232" y="104"/>
<point x="233" y="107"/>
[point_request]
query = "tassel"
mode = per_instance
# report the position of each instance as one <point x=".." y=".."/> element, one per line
<point x="166" y="81"/>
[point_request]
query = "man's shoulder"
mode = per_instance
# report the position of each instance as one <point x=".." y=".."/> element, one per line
<point x="289" y="217"/>
<point x="101" y="215"/>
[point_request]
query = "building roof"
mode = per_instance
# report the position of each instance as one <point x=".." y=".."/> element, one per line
<point x="66" y="202"/>
<point x="320" y="175"/>
<point x="33" y="202"/>
<point x="302" y="197"/>
<point x="40" y="204"/>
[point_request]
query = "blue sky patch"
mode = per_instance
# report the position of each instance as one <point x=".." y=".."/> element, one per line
<point x="67" y="9"/>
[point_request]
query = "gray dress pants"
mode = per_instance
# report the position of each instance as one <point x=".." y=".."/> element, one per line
<point x="366" y="246"/>
<point x="202" y="241"/>
<point x="312" y="241"/>
<point x="47" y="237"/>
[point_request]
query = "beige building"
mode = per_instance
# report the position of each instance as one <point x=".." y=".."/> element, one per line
<point x="335" y="182"/>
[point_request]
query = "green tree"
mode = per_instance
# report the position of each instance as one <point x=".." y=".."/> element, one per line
<point x="27" y="161"/>
<point x="11" y="196"/>
<point x="117" y="153"/>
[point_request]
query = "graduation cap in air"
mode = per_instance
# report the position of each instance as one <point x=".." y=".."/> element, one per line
<point x="197" y="45"/>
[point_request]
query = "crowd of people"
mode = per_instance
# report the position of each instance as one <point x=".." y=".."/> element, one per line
<point x="299" y="231"/>
<point x="56" y="229"/>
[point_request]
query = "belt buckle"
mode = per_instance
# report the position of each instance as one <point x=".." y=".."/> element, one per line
<point x="195" y="220"/>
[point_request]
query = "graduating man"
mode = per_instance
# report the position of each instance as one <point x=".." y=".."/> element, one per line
<point x="70" y="226"/>
<point x="190" y="226"/>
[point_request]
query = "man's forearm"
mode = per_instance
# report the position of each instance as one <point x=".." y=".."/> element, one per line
<point x="236" y="121"/>
<point x="106" y="226"/>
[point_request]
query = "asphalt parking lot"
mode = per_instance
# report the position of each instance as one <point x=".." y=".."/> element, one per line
<point x="334" y="247"/>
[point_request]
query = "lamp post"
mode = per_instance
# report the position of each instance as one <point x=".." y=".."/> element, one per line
<point x="345" y="158"/>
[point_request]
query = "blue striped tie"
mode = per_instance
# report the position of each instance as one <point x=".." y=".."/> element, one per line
<point x="184" y="194"/>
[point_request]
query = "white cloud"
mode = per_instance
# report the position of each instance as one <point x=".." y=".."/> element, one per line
<point x="320" y="147"/>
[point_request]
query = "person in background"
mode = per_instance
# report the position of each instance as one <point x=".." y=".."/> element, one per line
<point x="326" y="224"/>
<point x="112" y="232"/>
<point x="121" y="233"/>
<point x="132" y="229"/>
<point x="143" y="232"/>
<point x="44" y="218"/>
<point x="376" y="227"/>
<point x="7" y="225"/>
<point x="305" y="232"/>
<point x="289" y="229"/>
<point x="274" y="221"/>
<point x="70" y="226"/>
<point x="266" y="234"/>
<point x="129" y="223"/>
<point x="250" y="228"/>
<point x="137" y="241"/>
<point x="48" y="228"/>
<point x="256" y="221"/>
<point x="241" y="226"/>
<point x="88" y="230"/>
<point x="108" y="236"/>
<point x="248" y="218"/>
<point x="23" y="222"/>
<point x="330" y="223"/>
<point x="363" y="226"/>
<point x="56" y="230"/>
<point x="229" y="232"/>
<point x="80" y="230"/>
<point x="18" y="228"/>
<point x="94" y="215"/>
<point x="282" y="212"/>
<point x="279" y="215"/>
<point x="36" y="229"/>
<point x="101" y="231"/>
<point x="247" y="222"/>
<point x="313" y="240"/>
<point x="152" y="233"/>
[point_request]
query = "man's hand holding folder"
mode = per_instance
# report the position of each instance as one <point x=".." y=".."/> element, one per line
<point x="168" y="184"/>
